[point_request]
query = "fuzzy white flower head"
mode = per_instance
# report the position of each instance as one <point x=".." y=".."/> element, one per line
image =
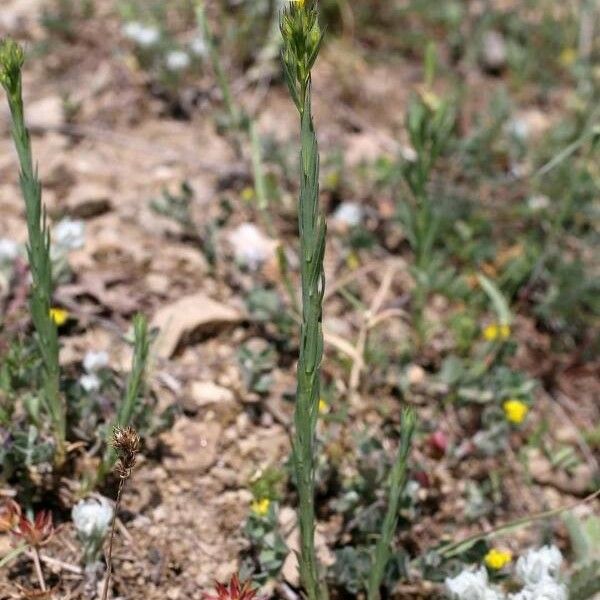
<point x="199" y="47"/>
<point x="177" y="60"/>
<point x="9" y="250"/>
<point x="90" y="382"/>
<point x="143" y="35"/>
<point x="546" y="589"/>
<point x="538" y="565"/>
<point x="68" y="235"/>
<point x="251" y="247"/>
<point x="349" y="214"/>
<point x="471" y="585"/>
<point x="92" y="517"/>
<point x="94" y="361"/>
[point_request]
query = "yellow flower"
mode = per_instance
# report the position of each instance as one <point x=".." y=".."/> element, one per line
<point x="59" y="315"/>
<point x="567" y="57"/>
<point x="497" y="559"/>
<point x="248" y="194"/>
<point x="496" y="331"/>
<point x="261" y="506"/>
<point x="323" y="406"/>
<point x="353" y="261"/>
<point x="515" y="411"/>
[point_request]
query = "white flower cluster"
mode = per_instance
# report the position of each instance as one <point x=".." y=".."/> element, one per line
<point x="92" y="363"/>
<point x="92" y="519"/>
<point x="177" y="60"/>
<point x="144" y="36"/>
<point x="472" y="585"/>
<point x="9" y="250"/>
<point x="68" y="235"/>
<point x="537" y="569"/>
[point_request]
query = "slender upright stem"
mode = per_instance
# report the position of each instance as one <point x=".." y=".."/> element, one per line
<point x="38" y="248"/>
<point x="398" y="479"/>
<point x="312" y="248"/>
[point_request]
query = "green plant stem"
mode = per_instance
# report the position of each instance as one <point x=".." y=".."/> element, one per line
<point x="398" y="478"/>
<point x="215" y="59"/>
<point x="312" y="248"/>
<point x="38" y="250"/>
<point x="135" y="383"/>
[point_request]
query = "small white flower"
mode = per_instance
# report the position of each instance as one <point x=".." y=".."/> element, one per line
<point x="9" y="250"/>
<point x="199" y="47"/>
<point x="68" y="235"/>
<point x="546" y="589"/>
<point x="94" y="361"/>
<point x="519" y="128"/>
<point x="90" y="382"/>
<point x="471" y="585"/>
<point x="538" y="202"/>
<point x="538" y="565"/>
<point x="251" y="247"/>
<point x="177" y="60"/>
<point x="348" y="214"/>
<point x="92" y="517"/>
<point x="143" y="35"/>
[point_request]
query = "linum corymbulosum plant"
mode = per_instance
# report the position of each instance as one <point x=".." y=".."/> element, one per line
<point x="54" y="418"/>
<point x="302" y="37"/>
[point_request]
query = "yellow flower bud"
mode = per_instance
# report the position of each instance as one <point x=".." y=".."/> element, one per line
<point x="260" y="507"/>
<point x="515" y="411"/>
<point x="497" y="559"/>
<point x="59" y="315"/>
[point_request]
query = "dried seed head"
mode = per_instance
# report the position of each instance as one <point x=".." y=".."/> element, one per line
<point x="126" y="442"/>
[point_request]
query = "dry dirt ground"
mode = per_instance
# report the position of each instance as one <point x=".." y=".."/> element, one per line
<point x="184" y="512"/>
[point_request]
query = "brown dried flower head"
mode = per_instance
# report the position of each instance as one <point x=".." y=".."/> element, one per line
<point x="126" y="442"/>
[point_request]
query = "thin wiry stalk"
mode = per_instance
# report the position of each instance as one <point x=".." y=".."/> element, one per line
<point x="35" y="553"/>
<point x="111" y="540"/>
<point x="126" y="443"/>
<point x="38" y="247"/>
<point x="301" y="41"/>
<point x="398" y="479"/>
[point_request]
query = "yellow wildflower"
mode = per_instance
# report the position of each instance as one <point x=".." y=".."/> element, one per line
<point x="496" y="331"/>
<point x="260" y="507"/>
<point x="567" y="57"/>
<point x="248" y="194"/>
<point x="353" y="261"/>
<point x="323" y="406"/>
<point x="497" y="559"/>
<point x="59" y="315"/>
<point x="515" y="411"/>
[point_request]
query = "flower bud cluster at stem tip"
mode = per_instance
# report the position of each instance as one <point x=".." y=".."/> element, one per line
<point x="12" y="58"/>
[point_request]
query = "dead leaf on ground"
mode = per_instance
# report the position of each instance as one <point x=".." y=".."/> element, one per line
<point x="188" y="318"/>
